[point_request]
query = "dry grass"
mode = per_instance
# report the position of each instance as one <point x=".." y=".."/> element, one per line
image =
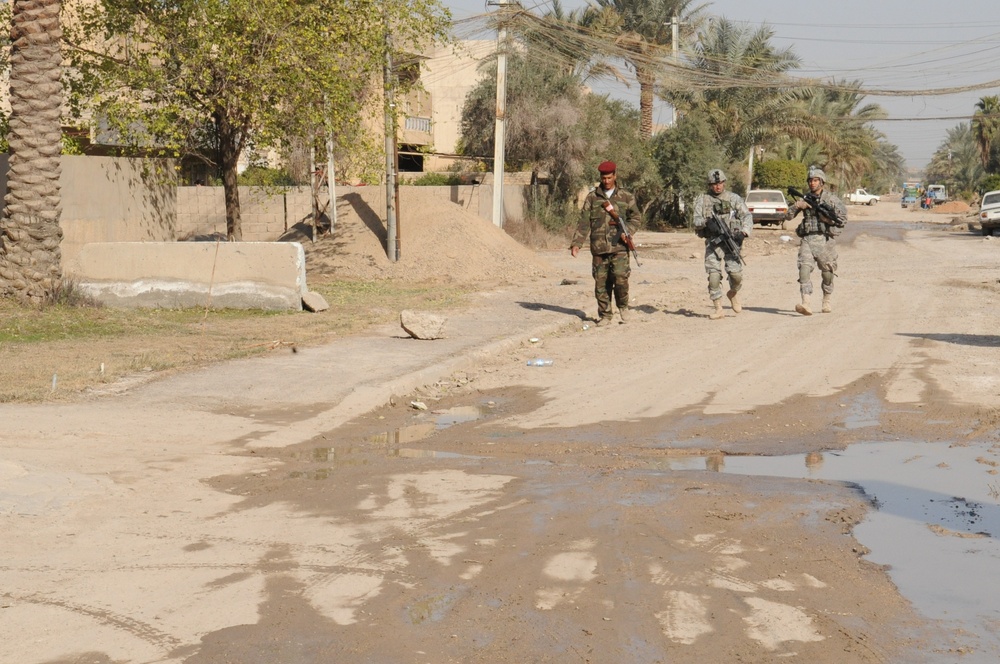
<point x="532" y="234"/>
<point x="88" y="347"/>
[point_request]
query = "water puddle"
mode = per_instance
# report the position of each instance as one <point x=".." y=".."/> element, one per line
<point x="863" y="411"/>
<point x="424" y="429"/>
<point x="339" y="457"/>
<point x="936" y="522"/>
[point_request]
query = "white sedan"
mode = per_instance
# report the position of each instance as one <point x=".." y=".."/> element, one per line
<point x="767" y="206"/>
<point x="989" y="212"/>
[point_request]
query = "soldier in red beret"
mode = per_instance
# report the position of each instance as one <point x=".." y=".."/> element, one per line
<point x="603" y="208"/>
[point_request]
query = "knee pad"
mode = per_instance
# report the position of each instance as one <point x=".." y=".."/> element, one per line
<point x="715" y="280"/>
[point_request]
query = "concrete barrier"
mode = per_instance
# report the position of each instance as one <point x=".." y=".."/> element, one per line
<point x="218" y="275"/>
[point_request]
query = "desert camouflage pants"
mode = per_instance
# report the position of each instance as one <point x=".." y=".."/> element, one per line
<point x="611" y="272"/>
<point x="817" y="250"/>
<point x="715" y="258"/>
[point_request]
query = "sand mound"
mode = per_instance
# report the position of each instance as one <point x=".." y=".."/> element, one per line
<point x="440" y="242"/>
<point x="952" y="207"/>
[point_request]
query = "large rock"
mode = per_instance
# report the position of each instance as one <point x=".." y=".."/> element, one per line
<point x="313" y="301"/>
<point x="422" y="325"/>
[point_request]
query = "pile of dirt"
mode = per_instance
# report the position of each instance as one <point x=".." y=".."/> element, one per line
<point x="952" y="207"/>
<point x="440" y="241"/>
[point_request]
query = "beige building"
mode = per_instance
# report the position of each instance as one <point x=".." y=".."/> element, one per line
<point x="431" y="122"/>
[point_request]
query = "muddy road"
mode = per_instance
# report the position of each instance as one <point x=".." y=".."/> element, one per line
<point x="389" y="500"/>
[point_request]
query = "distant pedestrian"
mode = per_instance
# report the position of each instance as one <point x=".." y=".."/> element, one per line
<point x="719" y="206"/>
<point x="823" y="217"/>
<point x="603" y="206"/>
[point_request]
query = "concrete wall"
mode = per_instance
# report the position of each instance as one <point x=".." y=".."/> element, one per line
<point x="232" y="275"/>
<point x="107" y="199"/>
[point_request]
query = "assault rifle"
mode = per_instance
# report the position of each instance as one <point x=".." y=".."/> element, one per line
<point x="626" y="236"/>
<point x="827" y="214"/>
<point x="724" y="235"/>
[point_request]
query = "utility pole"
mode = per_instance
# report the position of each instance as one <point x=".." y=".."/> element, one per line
<point x="674" y="37"/>
<point x="391" y="224"/>
<point x="501" y="116"/>
<point x="331" y="179"/>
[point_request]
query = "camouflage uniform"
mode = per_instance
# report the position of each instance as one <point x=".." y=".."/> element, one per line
<point x="819" y="246"/>
<point x="611" y="267"/>
<point x="731" y="209"/>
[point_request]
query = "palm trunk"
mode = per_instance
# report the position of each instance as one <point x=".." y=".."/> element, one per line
<point x="646" y="81"/>
<point x="30" y="267"/>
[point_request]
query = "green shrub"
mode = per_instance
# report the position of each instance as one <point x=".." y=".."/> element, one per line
<point x="436" y="180"/>
<point x="261" y="176"/>
<point x="779" y="174"/>
<point x="989" y="183"/>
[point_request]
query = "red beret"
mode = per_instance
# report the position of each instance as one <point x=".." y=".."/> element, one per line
<point x="607" y="167"/>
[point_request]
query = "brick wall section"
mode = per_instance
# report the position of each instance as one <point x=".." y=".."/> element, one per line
<point x="267" y="215"/>
<point x="109" y="199"/>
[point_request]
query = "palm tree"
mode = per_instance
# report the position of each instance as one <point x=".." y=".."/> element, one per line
<point x="30" y="267"/>
<point x="561" y="38"/>
<point x="736" y="65"/>
<point x="841" y="126"/>
<point x="890" y="168"/>
<point x="957" y="161"/>
<point x="641" y="34"/>
<point x="986" y="128"/>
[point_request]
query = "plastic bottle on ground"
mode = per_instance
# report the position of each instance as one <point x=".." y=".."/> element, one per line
<point x="539" y="362"/>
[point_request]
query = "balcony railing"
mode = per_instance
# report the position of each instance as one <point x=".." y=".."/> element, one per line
<point x="418" y="124"/>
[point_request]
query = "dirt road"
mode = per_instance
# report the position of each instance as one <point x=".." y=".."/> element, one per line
<point x="306" y="508"/>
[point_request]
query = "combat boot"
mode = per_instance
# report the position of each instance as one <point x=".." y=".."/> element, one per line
<point x="827" y="307"/>
<point x="718" y="313"/>
<point x="804" y="307"/>
<point x="734" y="298"/>
<point x="603" y="320"/>
<point x="624" y="313"/>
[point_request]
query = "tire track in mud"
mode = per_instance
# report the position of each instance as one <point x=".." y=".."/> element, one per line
<point x="137" y="628"/>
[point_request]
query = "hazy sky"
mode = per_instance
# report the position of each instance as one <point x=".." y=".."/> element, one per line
<point x="888" y="44"/>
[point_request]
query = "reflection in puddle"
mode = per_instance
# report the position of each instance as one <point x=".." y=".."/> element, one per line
<point x="421" y="430"/>
<point x="864" y="411"/>
<point x="406" y="453"/>
<point x="340" y="457"/>
<point x="936" y="523"/>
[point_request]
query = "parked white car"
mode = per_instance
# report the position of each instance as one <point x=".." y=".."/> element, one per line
<point x="989" y="212"/>
<point x="767" y="206"/>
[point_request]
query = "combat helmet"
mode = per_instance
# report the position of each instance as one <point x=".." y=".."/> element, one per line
<point x="816" y="172"/>
<point x="715" y="176"/>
